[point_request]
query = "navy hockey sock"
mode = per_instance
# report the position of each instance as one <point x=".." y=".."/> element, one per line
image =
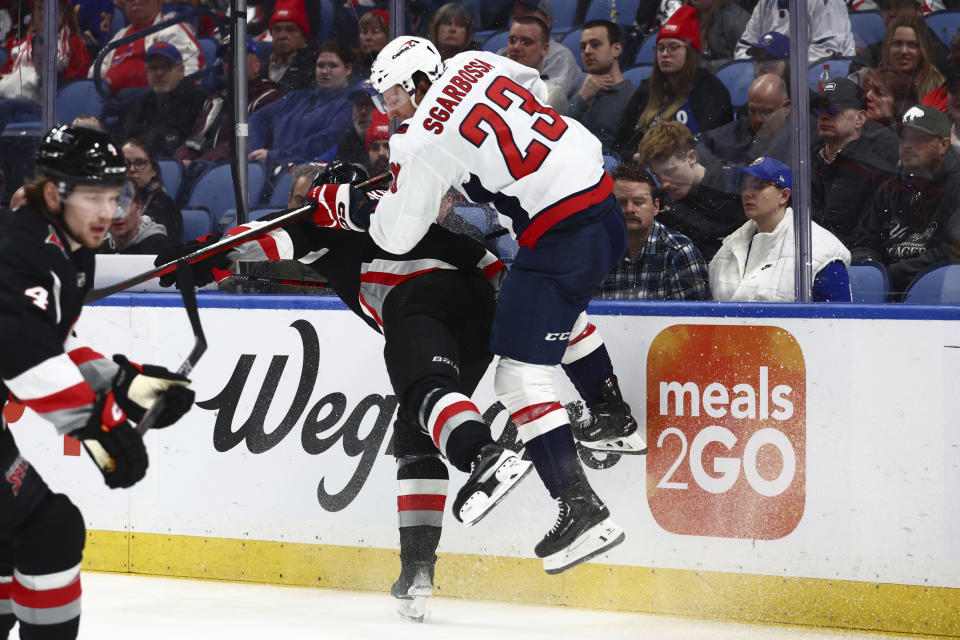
<point x="554" y="456"/>
<point x="588" y="372"/>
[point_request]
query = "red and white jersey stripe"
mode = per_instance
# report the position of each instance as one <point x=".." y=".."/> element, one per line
<point x="55" y="389"/>
<point x="275" y="245"/>
<point x="49" y="598"/>
<point x="420" y="501"/>
<point x="380" y="276"/>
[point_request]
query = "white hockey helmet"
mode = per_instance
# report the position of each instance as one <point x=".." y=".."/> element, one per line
<point x="400" y="59"/>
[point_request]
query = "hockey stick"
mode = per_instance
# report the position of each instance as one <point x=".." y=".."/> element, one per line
<point x="224" y="244"/>
<point x="284" y="281"/>
<point x="189" y="294"/>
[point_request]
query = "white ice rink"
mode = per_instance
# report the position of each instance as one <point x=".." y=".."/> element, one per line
<point x="117" y="606"/>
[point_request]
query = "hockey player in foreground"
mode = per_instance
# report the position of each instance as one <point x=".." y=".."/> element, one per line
<point x="478" y="123"/>
<point x="46" y="267"/>
<point x="434" y="305"/>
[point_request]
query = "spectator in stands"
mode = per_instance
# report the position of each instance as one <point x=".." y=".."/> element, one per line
<point x="144" y="171"/>
<point x="771" y="54"/>
<point x="374" y="34"/>
<point x="162" y="118"/>
<point x="703" y="203"/>
<point x="124" y="68"/>
<point x="95" y="19"/>
<point x="660" y="264"/>
<point x="907" y="50"/>
<point x="602" y="99"/>
<point x="378" y="145"/>
<point x="451" y="29"/>
<point x="88" y="120"/>
<point x="846" y="167"/>
<point x="872" y="55"/>
<point x="906" y="224"/>
<point x="306" y="123"/>
<point x="134" y="233"/>
<point x="757" y="262"/>
<point x="528" y="44"/>
<point x="888" y="95"/>
<point x="830" y="34"/>
<point x="721" y="24"/>
<point x="352" y="144"/>
<point x="212" y="129"/>
<point x="292" y="64"/>
<point x="678" y="87"/>
<point x="559" y="66"/>
<point x="20" y="82"/>
<point x="766" y="131"/>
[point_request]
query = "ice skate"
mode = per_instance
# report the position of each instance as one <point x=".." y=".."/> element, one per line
<point x="412" y="589"/>
<point x="495" y="472"/>
<point x="583" y="531"/>
<point x="610" y="427"/>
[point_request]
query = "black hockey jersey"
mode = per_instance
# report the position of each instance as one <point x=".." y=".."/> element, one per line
<point x="361" y="273"/>
<point x="42" y="286"/>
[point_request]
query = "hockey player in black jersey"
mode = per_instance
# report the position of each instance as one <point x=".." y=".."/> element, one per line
<point x="46" y="268"/>
<point x="434" y="306"/>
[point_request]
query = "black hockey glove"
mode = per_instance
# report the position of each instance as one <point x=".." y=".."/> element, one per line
<point x="138" y="386"/>
<point x="114" y="444"/>
<point x="204" y="271"/>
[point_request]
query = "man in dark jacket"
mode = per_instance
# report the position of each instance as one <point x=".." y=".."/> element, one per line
<point x="162" y="118"/>
<point x="703" y="203"/>
<point x="292" y="62"/>
<point x="847" y="168"/>
<point x="912" y="218"/>
<point x="213" y="129"/>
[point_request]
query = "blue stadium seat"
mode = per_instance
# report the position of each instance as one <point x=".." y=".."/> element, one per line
<point x="944" y="24"/>
<point x="229" y="219"/>
<point x="496" y="42"/>
<point x="117" y="21"/>
<point x="171" y="172"/>
<point x="610" y="162"/>
<point x="77" y="98"/>
<point x="214" y="189"/>
<point x="258" y="212"/>
<point x="736" y="76"/>
<point x="869" y="283"/>
<point x="600" y="10"/>
<point x="572" y="42"/>
<point x="482" y="36"/>
<point x="839" y="68"/>
<point x="281" y="191"/>
<point x="938" y="285"/>
<point x="209" y="48"/>
<point x="564" y="15"/>
<point x="196" y="223"/>
<point x="867" y="27"/>
<point x="647" y="51"/>
<point x="4" y="54"/>
<point x="638" y="74"/>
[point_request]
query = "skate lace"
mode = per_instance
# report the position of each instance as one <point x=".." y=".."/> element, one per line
<point x="564" y="509"/>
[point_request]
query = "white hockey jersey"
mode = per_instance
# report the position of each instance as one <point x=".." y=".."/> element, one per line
<point x="830" y="32"/>
<point x="485" y="129"/>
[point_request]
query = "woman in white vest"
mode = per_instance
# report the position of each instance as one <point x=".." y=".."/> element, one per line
<point x="756" y="262"/>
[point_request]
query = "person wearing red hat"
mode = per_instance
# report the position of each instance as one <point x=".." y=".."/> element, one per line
<point x="291" y="65"/>
<point x="678" y="87"/>
<point x="378" y="144"/>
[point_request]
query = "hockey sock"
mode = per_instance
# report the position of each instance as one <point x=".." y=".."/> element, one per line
<point x="454" y="423"/>
<point x="63" y="631"/>
<point x="587" y="364"/>
<point x="421" y="496"/>
<point x="554" y="456"/>
<point x="7" y="620"/>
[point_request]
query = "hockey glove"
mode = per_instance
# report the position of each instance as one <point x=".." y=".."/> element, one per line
<point x="114" y="444"/>
<point x="336" y="206"/>
<point x="137" y="387"/>
<point x="214" y="267"/>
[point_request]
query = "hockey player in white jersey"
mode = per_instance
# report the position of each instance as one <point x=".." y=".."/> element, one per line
<point x="479" y="124"/>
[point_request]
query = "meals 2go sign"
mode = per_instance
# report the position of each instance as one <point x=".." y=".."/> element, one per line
<point x="726" y="430"/>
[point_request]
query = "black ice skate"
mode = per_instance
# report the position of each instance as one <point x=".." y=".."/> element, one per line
<point x="494" y="473"/>
<point x="412" y="589"/>
<point x="583" y="530"/>
<point x="610" y="427"/>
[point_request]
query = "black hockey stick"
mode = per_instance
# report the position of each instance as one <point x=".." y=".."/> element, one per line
<point x="189" y="294"/>
<point x="224" y="244"/>
<point x="284" y="281"/>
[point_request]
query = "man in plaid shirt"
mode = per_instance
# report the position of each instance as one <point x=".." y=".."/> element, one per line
<point x="660" y="264"/>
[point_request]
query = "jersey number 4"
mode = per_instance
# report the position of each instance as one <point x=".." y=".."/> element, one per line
<point x="519" y="163"/>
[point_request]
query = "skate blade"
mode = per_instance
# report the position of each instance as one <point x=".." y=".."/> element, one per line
<point x="632" y="445"/>
<point x="479" y="504"/>
<point x="413" y="608"/>
<point x="596" y="540"/>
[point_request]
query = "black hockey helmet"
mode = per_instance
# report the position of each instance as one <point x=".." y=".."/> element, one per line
<point x="338" y="172"/>
<point x="80" y="155"/>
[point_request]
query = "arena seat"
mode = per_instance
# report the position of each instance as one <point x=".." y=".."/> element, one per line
<point x="600" y="10"/>
<point x="171" y="172"/>
<point x="647" y="51"/>
<point x="214" y="189"/>
<point x="938" y="285"/>
<point x="564" y="15"/>
<point x="196" y="223"/>
<point x="281" y="191"/>
<point x="496" y="42"/>
<point x="572" y="42"/>
<point x="867" y="27"/>
<point x="638" y="74"/>
<point x="944" y="24"/>
<point x="839" y="68"/>
<point x="736" y="76"/>
<point x="869" y="283"/>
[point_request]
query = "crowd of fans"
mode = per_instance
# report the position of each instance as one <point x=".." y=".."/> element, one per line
<point x="705" y="184"/>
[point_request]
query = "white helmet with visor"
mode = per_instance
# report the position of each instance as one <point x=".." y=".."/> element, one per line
<point x="398" y="61"/>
